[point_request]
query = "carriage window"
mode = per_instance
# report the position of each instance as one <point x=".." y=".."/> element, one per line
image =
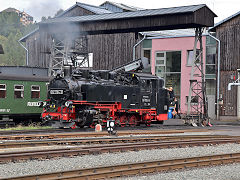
<point x="18" y="91"/>
<point x="35" y="92"/>
<point x="3" y="91"/>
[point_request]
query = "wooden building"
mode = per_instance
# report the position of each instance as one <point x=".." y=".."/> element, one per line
<point x="228" y="32"/>
<point x="102" y="46"/>
<point x="111" y="36"/>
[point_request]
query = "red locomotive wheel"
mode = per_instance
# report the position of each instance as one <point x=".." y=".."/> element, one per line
<point x="123" y="120"/>
<point x="132" y="120"/>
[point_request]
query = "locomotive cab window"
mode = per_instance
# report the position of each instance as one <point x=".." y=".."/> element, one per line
<point x="3" y="91"/>
<point x="146" y="85"/>
<point x="35" y="92"/>
<point x="18" y="91"/>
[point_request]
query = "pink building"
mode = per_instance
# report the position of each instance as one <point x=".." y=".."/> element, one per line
<point x="171" y="58"/>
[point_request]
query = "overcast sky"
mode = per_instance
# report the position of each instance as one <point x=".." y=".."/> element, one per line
<point x="39" y="8"/>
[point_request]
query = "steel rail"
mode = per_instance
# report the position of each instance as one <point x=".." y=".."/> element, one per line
<point x="78" y="151"/>
<point x="106" y="172"/>
<point x="94" y="134"/>
<point x="36" y="143"/>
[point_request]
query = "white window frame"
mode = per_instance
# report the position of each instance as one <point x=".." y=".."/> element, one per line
<point x="35" y="86"/>
<point x="33" y="90"/>
<point x="4" y="89"/>
<point x="22" y="90"/>
<point x="164" y="58"/>
<point x="160" y="58"/>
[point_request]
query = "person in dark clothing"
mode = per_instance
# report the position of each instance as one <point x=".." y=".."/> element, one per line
<point x="171" y="94"/>
<point x="176" y="108"/>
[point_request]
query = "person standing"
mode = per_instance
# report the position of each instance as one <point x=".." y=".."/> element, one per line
<point x="176" y="108"/>
<point x="171" y="94"/>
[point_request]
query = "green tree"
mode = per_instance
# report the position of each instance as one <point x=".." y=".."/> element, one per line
<point x="10" y="32"/>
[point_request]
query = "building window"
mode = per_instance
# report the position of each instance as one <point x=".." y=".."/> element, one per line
<point x="168" y="67"/>
<point x="35" y="92"/>
<point x="194" y="99"/>
<point x="210" y="59"/>
<point x="190" y="59"/>
<point x="147" y="54"/>
<point x="3" y="91"/>
<point x="18" y="91"/>
<point x="160" y="59"/>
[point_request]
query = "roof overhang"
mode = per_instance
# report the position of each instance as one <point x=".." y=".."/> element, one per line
<point x="145" y="20"/>
<point x="213" y="29"/>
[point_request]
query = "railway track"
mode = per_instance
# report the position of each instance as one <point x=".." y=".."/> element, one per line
<point x="110" y="148"/>
<point x="92" y="134"/>
<point x="130" y="169"/>
<point x="84" y="141"/>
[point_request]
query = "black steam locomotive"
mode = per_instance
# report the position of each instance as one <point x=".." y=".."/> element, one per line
<point x="88" y="97"/>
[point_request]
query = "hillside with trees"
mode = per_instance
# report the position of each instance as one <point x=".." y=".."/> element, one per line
<point x="11" y="30"/>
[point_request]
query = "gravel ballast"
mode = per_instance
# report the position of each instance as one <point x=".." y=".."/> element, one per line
<point x="53" y="165"/>
<point x="230" y="172"/>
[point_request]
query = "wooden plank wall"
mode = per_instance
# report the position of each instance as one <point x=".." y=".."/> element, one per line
<point x="229" y="35"/>
<point x="38" y="46"/>
<point x="112" y="50"/>
<point x="109" y="50"/>
<point x="229" y="107"/>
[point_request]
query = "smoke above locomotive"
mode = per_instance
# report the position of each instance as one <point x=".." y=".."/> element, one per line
<point x="88" y="97"/>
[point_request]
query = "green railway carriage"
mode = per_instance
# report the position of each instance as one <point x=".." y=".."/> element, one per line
<point x="20" y="95"/>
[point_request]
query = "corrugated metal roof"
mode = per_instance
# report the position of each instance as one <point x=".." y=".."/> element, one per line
<point x="94" y="9"/>
<point x="225" y="20"/>
<point x="125" y="15"/>
<point x="91" y="8"/>
<point x="123" y="6"/>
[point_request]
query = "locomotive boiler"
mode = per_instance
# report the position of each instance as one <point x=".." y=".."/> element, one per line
<point x="88" y="97"/>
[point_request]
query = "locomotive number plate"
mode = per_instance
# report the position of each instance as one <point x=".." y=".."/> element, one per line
<point x="56" y="91"/>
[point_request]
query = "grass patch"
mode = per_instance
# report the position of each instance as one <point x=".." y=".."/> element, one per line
<point x="29" y="127"/>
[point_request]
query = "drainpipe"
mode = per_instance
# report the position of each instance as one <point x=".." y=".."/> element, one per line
<point x="134" y="47"/>
<point x="218" y="72"/>
<point x="25" y="50"/>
